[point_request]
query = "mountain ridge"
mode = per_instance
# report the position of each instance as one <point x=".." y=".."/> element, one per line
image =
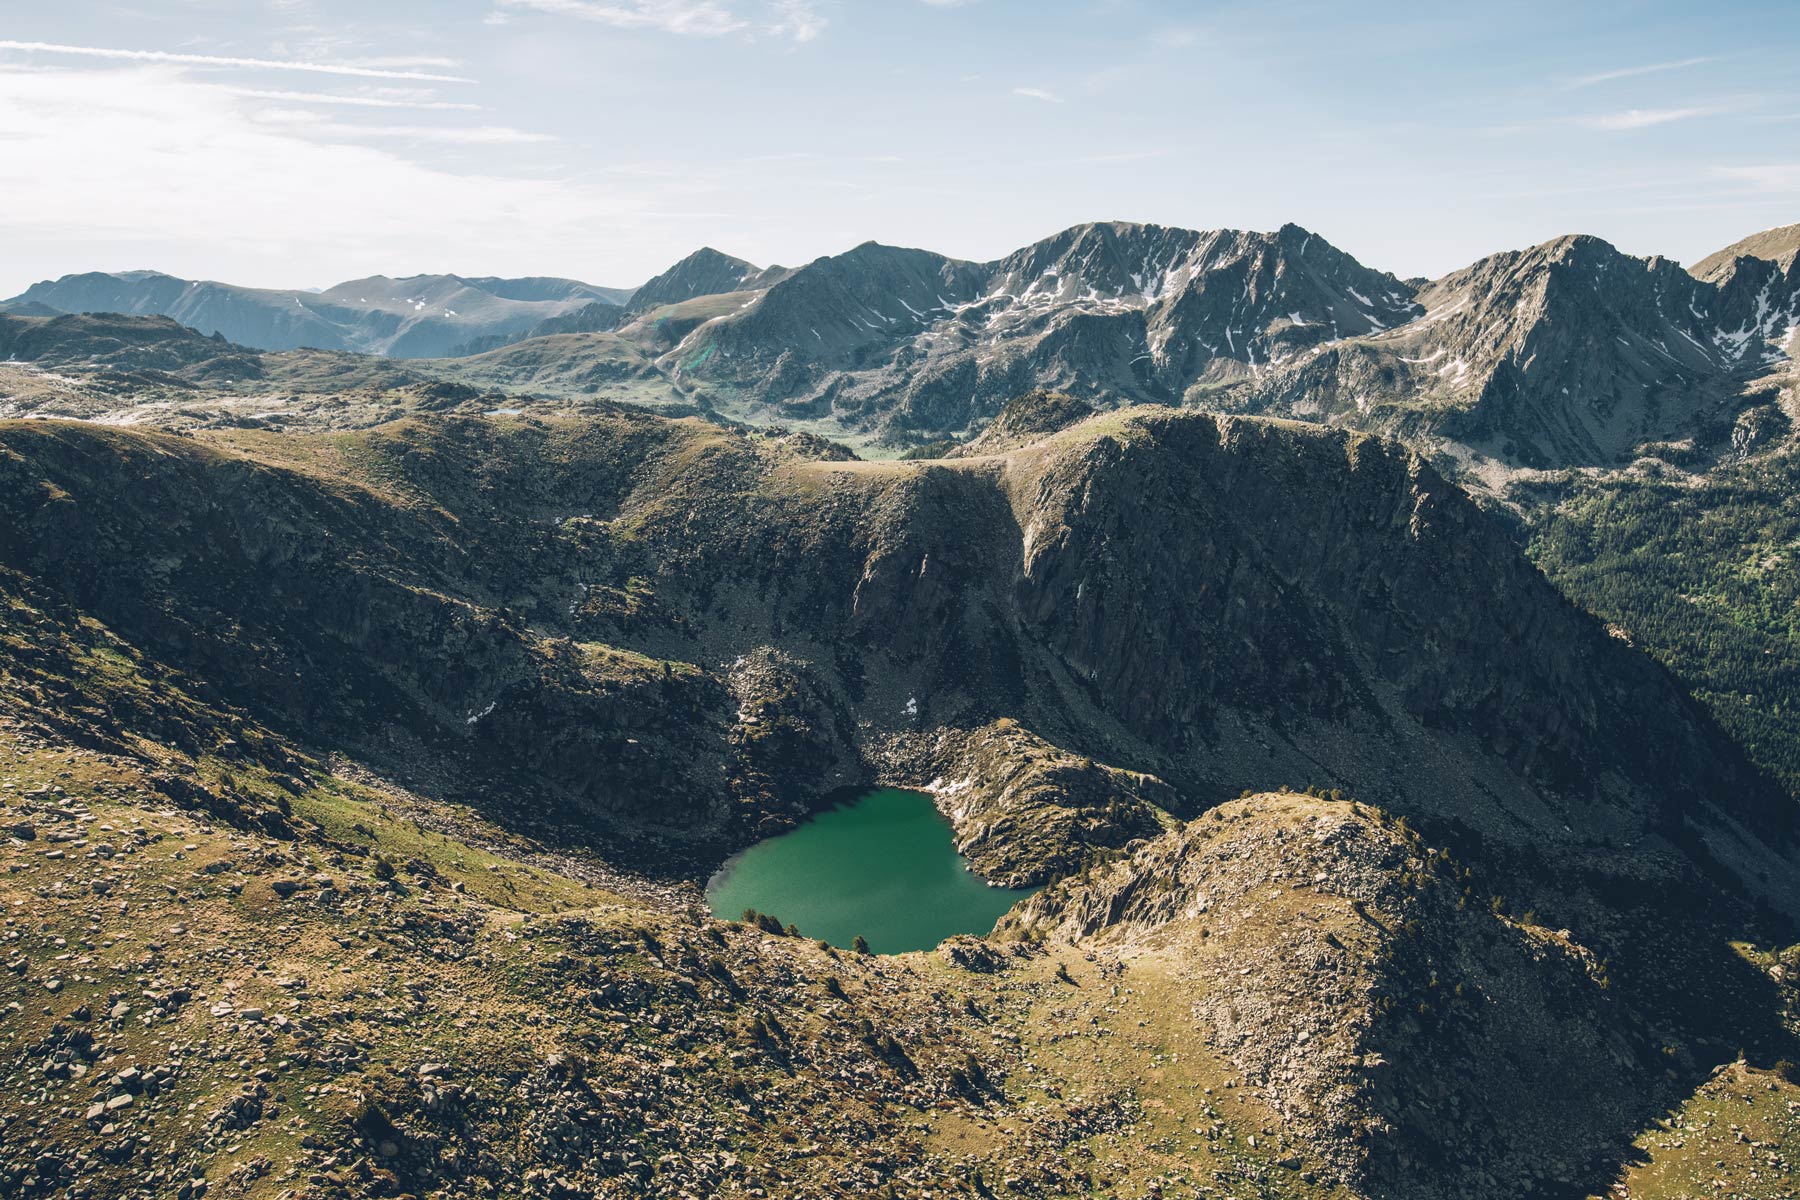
<point x="415" y="316"/>
<point x="1566" y="353"/>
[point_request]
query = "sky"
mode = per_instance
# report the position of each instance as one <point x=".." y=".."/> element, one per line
<point x="298" y="143"/>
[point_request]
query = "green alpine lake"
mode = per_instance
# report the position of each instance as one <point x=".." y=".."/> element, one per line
<point x="882" y="865"/>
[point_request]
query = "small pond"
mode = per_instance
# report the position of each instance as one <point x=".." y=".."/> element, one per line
<point x="882" y="865"/>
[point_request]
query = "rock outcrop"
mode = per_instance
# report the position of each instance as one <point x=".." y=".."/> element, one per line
<point x="1026" y="812"/>
<point x="1423" y="1041"/>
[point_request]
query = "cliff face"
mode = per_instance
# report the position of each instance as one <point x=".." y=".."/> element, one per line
<point x="1209" y="601"/>
<point x="1365" y="587"/>
<point x="1026" y="811"/>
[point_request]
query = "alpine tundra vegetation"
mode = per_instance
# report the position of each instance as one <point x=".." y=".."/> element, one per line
<point x="1155" y="713"/>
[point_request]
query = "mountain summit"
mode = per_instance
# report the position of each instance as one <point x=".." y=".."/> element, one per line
<point x="1569" y="353"/>
<point x="1120" y="311"/>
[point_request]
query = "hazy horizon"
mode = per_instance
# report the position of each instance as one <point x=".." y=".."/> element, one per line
<point x="300" y="143"/>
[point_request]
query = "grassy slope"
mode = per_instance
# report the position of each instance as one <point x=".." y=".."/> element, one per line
<point x="279" y="1041"/>
<point x="597" y="1035"/>
<point x="1100" y="1081"/>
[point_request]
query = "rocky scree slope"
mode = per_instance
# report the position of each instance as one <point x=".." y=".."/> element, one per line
<point x="1420" y="1038"/>
<point x="226" y="979"/>
<point x="374" y="995"/>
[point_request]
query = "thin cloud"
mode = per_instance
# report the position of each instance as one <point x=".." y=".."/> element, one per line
<point x="212" y="60"/>
<point x="262" y="196"/>
<point x="474" y="135"/>
<point x="1640" y="118"/>
<point x="421" y="105"/>
<point x="703" y="19"/>
<point x="1600" y="77"/>
<point x="1765" y="177"/>
<point x="404" y="61"/>
<point x="456" y="135"/>
<point x="1038" y="93"/>
<point x="794" y="19"/>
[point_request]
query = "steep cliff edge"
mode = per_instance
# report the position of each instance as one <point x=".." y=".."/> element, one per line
<point x="1212" y="601"/>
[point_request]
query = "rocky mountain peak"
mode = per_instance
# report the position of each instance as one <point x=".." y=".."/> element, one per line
<point x="1099" y="262"/>
<point x="841" y="309"/>
<point x="705" y="272"/>
<point x="1570" y="351"/>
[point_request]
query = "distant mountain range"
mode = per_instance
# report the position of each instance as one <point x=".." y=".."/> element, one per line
<point x="1567" y="353"/>
<point x="1563" y="354"/>
<point x="421" y="316"/>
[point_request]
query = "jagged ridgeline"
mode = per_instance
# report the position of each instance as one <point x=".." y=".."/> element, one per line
<point x="1209" y="600"/>
<point x="1570" y="353"/>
